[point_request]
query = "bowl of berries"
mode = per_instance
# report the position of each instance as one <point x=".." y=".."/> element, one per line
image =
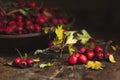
<point x="23" y="23"/>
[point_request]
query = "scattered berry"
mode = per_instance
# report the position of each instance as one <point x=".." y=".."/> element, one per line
<point x="82" y="59"/>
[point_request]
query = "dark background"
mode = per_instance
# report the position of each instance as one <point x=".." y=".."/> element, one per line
<point x="98" y="16"/>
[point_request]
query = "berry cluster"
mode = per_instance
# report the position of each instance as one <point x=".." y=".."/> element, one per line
<point x="84" y="54"/>
<point x="18" y="62"/>
<point x="24" y="17"/>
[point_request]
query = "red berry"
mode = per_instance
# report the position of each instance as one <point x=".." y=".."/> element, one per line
<point x="37" y="28"/>
<point x="51" y="44"/>
<point x="90" y="54"/>
<point x="100" y="56"/>
<point x="32" y="4"/>
<point x="44" y="17"/>
<point x="59" y="21"/>
<point x="22" y="64"/>
<point x="82" y="59"/>
<point x="30" y="62"/>
<point x="20" y="30"/>
<point x="98" y="49"/>
<point x="30" y="27"/>
<point x="40" y="19"/>
<point x="89" y="49"/>
<point x="76" y="55"/>
<point x="82" y="49"/>
<point x="106" y="55"/>
<point x="16" y="61"/>
<point x="8" y="30"/>
<point x="72" y="60"/>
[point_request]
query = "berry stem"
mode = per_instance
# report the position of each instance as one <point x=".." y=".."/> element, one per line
<point x="19" y="53"/>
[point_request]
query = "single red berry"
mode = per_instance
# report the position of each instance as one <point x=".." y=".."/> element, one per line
<point x="76" y="54"/>
<point x="51" y="44"/>
<point x="40" y="19"/>
<point x="20" y="24"/>
<point x="82" y="59"/>
<point x="60" y="21"/>
<point x="98" y="49"/>
<point x="20" y="30"/>
<point x="82" y="49"/>
<point x="22" y="64"/>
<point x="89" y="49"/>
<point x="100" y="56"/>
<point x="32" y="4"/>
<point x="45" y="17"/>
<point x="16" y="61"/>
<point x="30" y="27"/>
<point x="90" y="55"/>
<point x="37" y="28"/>
<point x="106" y="55"/>
<point x="30" y="62"/>
<point x="72" y="60"/>
<point x="8" y="30"/>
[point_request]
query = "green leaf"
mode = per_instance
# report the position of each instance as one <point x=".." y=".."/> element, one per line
<point x="84" y="37"/>
<point x="56" y="41"/>
<point x="43" y="65"/>
<point x="70" y="49"/>
<point x="36" y="60"/>
<point x="59" y="32"/>
<point x="95" y="65"/>
<point x="47" y="13"/>
<point x="70" y="38"/>
<point x="46" y="30"/>
<point x="23" y="12"/>
<point x="112" y="59"/>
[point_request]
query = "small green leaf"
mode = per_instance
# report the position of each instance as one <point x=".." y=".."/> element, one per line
<point x="84" y="37"/>
<point x="46" y="30"/>
<point x="43" y="65"/>
<point x="36" y="60"/>
<point x="49" y="64"/>
<point x="70" y="38"/>
<point x="48" y="14"/>
<point x="23" y="12"/>
<point x="112" y="59"/>
<point x="70" y="49"/>
<point x="59" y="32"/>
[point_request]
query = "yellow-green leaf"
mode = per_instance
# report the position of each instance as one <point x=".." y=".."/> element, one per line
<point x="46" y="30"/>
<point x="111" y="58"/>
<point x="70" y="49"/>
<point x="43" y="65"/>
<point x="70" y="38"/>
<point x="114" y="47"/>
<point x="36" y="60"/>
<point x="90" y="64"/>
<point x="59" y="32"/>
<point x="49" y="64"/>
<point x="23" y="12"/>
<point x="84" y="37"/>
<point x="56" y="41"/>
<point x="95" y="65"/>
<point x="98" y="65"/>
